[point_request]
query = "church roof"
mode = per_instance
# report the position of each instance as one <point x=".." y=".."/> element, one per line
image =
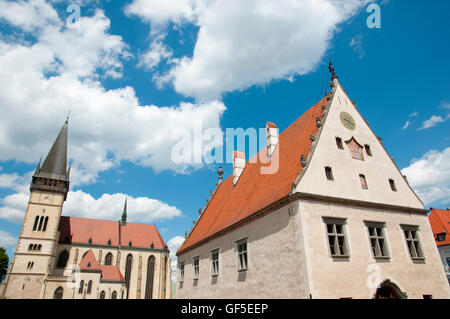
<point x="100" y="232"/>
<point x="55" y="164"/>
<point x="108" y="273"/>
<point x="440" y="223"/>
<point x="255" y="191"/>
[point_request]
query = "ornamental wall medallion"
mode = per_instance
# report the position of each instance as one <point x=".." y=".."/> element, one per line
<point x="348" y="121"/>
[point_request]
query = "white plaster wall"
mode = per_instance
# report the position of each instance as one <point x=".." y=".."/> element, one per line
<point x="341" y="279"/>
<point x="378" y="168"/>
<point x="276" y="267"/>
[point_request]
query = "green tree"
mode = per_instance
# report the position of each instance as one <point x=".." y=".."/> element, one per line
<point x="4" y="262"/>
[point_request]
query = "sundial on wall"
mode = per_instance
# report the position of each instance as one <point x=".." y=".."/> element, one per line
<point x="348" y="121"/>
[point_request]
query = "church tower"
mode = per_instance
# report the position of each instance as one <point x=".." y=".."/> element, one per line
<point x="35" y="252"/>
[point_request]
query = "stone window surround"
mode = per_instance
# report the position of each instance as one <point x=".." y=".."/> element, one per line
<point x="381" y="225"/>
<point x="419" y="252"/>
<point x="337" y="221"/>
<point x="196" y="267"/>
<point x="215" y="270"/>
<point x="244" y="253"/>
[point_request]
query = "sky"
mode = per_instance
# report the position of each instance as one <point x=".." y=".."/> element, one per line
<point x="134" y="75"/>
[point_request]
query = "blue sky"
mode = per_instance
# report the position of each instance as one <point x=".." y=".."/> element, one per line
<point x="134" y="71"/>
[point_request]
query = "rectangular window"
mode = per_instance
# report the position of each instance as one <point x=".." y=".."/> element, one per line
<point x="336" y="237"/>
<point x="182" y="271"/>
<point x="392" y="183"/>
<point x="242" y="254"/>
<point x="329" y="173"/>
<point x="413" y="242"/>
<point x="196" y="267"/>
<point x="377" y="240"/>
<point x="368" y="151"/>
<point x="363" y="181"/>
<point x="441" y="237"/>
<point x="339" y="143"/>
<point x="215" y="262"/>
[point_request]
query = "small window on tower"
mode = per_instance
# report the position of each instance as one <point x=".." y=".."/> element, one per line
<point x="368" y="151"/>
<point x="392" y="183"/>
<point x="339" y="143"/>
<point x="329" y="173"/>
<point x="362" y="178"/>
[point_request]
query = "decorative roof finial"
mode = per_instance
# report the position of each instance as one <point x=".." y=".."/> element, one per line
<point x="220" y="172"/>
<point x="68" y="115"/>
<point x="331" y="68"/>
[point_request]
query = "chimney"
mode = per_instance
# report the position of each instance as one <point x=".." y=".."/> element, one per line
<point x="272" y="137"/>
<point x="238" y="165"/>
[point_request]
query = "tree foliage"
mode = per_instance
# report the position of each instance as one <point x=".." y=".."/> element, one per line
<point x="4" y="262"/>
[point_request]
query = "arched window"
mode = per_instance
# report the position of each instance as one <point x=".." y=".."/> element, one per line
<point x="89" y="287"/>
<point x="39" y="247"/>
<point x="128" y="271"/>
<point x="58" y="294"/>
<point x="102" y="294"/>
<point x="150" y="273"/>
<point x="30" y="247"/>
<point x="80" y="289"/>
<point x="44" y="228"/>
<point x="114" y="295"/>
<point x="108" y="259"/>
<point x="62" y="259"/>
<point x="36" y="220"/>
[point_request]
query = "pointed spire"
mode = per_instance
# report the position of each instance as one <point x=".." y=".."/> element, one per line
<point x="124" y="214"/>
<point x="38" y="167"/>
<point x="55" y="164"/>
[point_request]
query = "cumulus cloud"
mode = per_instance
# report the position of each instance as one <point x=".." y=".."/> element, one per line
<point x="108" y="207"/>
<point x="246" y="42"/>
<point x="429" y="176"/>
<point x="7" y="240"/>
<point x="356" y="45"/>
<point x="61" y="71"/>
<point x="174" y="243"/>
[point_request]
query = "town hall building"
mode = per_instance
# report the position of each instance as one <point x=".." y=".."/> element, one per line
<point x="337" y="219"/>
<point x="64" y="257"/>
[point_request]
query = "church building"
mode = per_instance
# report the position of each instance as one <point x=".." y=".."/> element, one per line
<point x="337" y="219"/>
<point x="63" y="257"/>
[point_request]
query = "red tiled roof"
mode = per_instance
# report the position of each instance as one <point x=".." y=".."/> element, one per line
<point x="80" y="230"/>
<point x="109" y="273"/>
<point x="255" y="191"/>
<point x="89" y="262"/>
<point x="440" y="223"/>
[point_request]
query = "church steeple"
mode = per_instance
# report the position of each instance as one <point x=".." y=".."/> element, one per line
<point x="55" y="164"/>
<point x="53" y="174"/>
<point x="124" y="213"/>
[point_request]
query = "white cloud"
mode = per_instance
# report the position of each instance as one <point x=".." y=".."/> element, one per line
<point x="42" y="81"/>
<point x="108" y="207"/>
<point x="429" y="176"/>
<point x="155" y="54"/>
<point x="414" y="114"/>
<point x="356" y="45"/>
<point x="433" y="121"/>
<point x="246" y="42"/>
<point x="7" y="240"/>
<point x="173" y="244"/>
<point x="406" y="125"/>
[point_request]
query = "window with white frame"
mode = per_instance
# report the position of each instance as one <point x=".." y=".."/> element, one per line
<point x="413" y="242"/>
<point x="336" y="237"/>
<point x="242" y="254"/>
<point x="196" y="267"/>
<point x="377" y="239"/>
<point x="215" y="262"/>
<point x="182" y="271"/>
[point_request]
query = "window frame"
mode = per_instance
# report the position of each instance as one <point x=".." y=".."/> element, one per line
<point x="368" y="150"/>
<point x="240" y="266"/>
<point x="182" y="265"/>
<point x="377" y="238"/>
<point x="342" y="222"/>
<point x="362" y="178"/>
<point x="392" y="185"/>
<point x="339" y="143"/>
<point x="215" y="270"/>
<point x="413" y="239"/>
<point x="331" y="177"/>
<point x="196" y="267"/>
